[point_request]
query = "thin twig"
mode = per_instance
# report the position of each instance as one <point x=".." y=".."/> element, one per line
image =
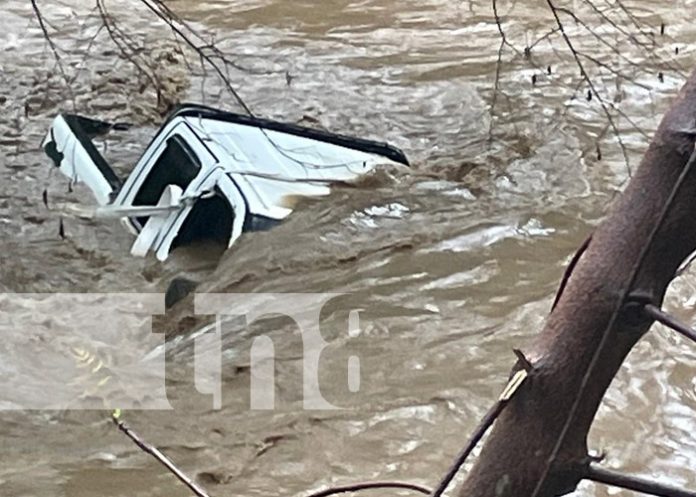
<point x="649" y="46"/>
<point x="165" y="17"/>
<point x="371" y="485"/>
<point x="586" y="77"/>
<point x="608" y="20"/>
<point x="157" y="454"/>
<point x="615" y="479"/>
<point x="496" y="90"/>
<point x="475" y="438"/>
<point x="128" y="49"/>
<point x="200" y="492"/>
<point x="601" y="39"/>
<point x="662" y="317"/>
<point x="499" y="24"/>
<point x="54" y="49"/>
<point x="511" y="388"/>
<point x="543" y="37"/>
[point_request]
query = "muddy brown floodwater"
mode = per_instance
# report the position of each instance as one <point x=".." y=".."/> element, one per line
<point x="452" y="264"/>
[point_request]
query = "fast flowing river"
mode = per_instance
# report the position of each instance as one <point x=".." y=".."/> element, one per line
<point x="451" y="265"/>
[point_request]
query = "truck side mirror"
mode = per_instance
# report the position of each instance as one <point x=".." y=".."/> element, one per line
<point x="171" y="197"/>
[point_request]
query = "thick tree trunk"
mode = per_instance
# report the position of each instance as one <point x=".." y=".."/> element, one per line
<point x="515" y="455"/>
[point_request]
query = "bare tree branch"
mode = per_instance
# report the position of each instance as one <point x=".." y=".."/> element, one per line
<point x="53" y="46"/>
<point x="662" y="317"/>
<point x="587" y="78"/>
<point x="615" y="479"/>
<point x="157" y="454"/>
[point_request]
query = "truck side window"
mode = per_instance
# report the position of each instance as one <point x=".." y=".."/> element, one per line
<point x="177" y="165"/>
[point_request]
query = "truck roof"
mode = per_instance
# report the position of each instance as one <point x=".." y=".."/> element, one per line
<point x="368" y="146"/>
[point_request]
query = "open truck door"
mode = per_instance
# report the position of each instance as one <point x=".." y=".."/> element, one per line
<point x="68" y="143"/>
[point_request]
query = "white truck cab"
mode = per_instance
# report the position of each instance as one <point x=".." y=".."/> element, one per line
<point x="210" y="174"/>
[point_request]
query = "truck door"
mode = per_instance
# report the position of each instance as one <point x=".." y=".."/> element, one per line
<point x="176" y="157"/>
<point x="217" y="213"/>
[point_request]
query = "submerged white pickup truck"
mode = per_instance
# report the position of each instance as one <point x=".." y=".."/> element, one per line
<point x="210" y="174"/>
